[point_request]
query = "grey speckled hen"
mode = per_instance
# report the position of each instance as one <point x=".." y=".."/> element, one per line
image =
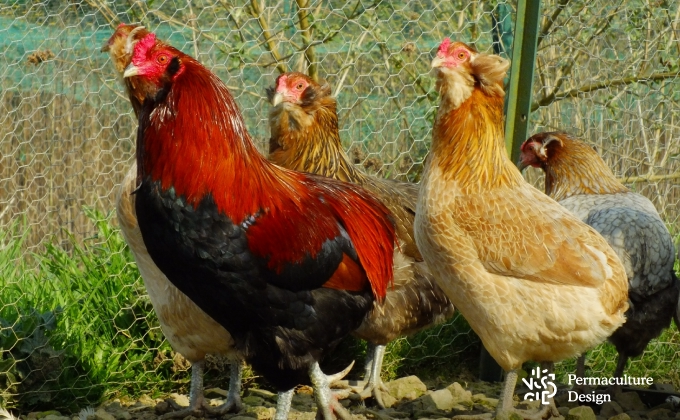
<point x="579" y="180"/>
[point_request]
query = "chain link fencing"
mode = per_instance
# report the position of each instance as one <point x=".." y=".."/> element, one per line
<point x="76" y="325"/>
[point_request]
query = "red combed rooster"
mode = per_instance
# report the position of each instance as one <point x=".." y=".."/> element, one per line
<point x="288" y="263"/>
<point x="578" y="178"/>
<point x="188" y="329"/>
<point x="305" y="137"/>
<point x="533" y="281"/>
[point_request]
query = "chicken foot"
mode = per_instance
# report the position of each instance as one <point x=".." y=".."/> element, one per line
<point x="197" y="404"/>
<point x="322" y="394"/>
<point x="372" y="384"/>
<point x="327" y="402"/>
<point x="233" y="402"/>
<point x="196" y="398"/>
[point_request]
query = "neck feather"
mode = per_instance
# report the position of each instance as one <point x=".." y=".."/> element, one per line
<point x="194" y="140"/>
<point x="468" y="139"/>
<point x="306" y="138"/>
<point x="575" y="168"/>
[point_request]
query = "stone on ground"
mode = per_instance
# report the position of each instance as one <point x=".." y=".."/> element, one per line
<point x="582" y="412"/>
<point x="630" y="401"/>
<point x="407" y="388"/>
<point x="610" y="409"/>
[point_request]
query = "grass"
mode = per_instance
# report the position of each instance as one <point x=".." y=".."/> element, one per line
<point x="76" y="327"/>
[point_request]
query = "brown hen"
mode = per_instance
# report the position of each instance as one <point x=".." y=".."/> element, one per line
<point x="533" y="281"/>
<point x="305" y="137"/>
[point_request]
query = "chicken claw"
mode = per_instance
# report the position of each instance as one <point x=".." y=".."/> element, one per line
<point x="327" y="402"/>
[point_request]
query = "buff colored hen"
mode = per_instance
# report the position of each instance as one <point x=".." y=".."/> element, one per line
<point x="534" y="282"/>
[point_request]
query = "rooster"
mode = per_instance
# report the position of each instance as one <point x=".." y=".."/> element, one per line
<point x="578" y="178"/>
<point x="189" y="330"/>
<point x="288" y="263"/>
<point x="305" y="137"/>
<point x="532" y="280"/>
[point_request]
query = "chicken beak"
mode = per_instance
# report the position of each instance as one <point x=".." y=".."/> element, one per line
<point x="437" y="62"/>
<point x="277" y="99"/>
<point x="130" y="71"/>
<point x="521" y="164"/>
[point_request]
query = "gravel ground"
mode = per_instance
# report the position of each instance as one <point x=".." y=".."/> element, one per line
<point x="409" y="397"/>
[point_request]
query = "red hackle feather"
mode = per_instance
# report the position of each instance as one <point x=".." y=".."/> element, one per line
<point x="199" y="155"/>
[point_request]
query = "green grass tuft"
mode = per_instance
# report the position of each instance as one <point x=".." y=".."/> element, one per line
<point x="76" y="324"/>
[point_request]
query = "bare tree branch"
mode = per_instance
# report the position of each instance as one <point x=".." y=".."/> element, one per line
<point x="306" y="29"/>
<point x="649" y="178"/>
<point x="192" y="22"/>
<point x="565" y="71"/>
<point x="602" y="85"/>
<point x="347" y="67"/>
<point x="216" y="41"/>
<point x="266" y="32"/>
<point x="105" y="10"/>
<point x="559" y="7"/>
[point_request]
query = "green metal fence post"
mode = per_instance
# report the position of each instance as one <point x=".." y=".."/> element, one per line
<point x="521" y="75"/>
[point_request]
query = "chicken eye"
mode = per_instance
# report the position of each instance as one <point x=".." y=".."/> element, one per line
<point x="299" y="86"/>
<point x="162" y="59"/>
<point x="461" y="55"/>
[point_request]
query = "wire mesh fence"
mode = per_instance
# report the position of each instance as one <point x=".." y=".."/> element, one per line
<point x="75" y="323"/>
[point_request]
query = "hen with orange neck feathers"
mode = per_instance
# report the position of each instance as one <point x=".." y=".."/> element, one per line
<point x="305" y="137"/>
<point x="578" y="178"/>
<point x="288" y="263"/>
<point x="534" y="282"/>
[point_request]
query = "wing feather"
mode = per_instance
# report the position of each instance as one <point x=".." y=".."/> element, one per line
<point x="541" y="242"/>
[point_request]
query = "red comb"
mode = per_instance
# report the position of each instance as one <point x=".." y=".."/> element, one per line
<point x="142" y="47"/>
<point x="280" y="82"/>
<point x="444" y="47"/>
<point x="120" y="25"/>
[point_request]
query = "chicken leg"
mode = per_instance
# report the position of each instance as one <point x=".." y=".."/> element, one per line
<point x="197" y="404"/>
<point x="233" y="402"/>
<point x="374" y="384"/>
<point x="196" y="398"/>
<point x="283" y="403"/>
<point x="505" y="404"/>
